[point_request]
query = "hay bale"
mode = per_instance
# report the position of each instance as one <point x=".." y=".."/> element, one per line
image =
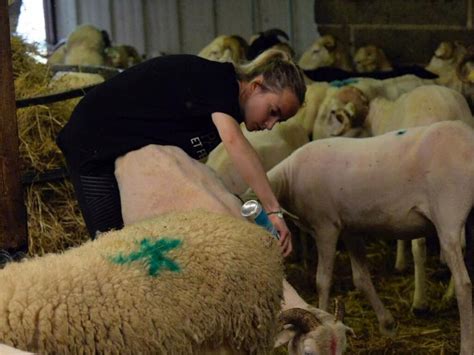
<point x="54" y="219"/>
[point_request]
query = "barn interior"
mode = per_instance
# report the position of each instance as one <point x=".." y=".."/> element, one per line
<point x="337" y="44"/>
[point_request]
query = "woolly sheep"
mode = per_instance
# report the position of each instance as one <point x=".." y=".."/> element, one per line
<point x="227" y="291"/>
<point x="402" y="184"/>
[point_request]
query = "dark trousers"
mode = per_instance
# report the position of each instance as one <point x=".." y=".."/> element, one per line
<point x="99" y="198"/>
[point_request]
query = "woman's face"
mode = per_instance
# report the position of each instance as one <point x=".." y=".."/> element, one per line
<point x="264" y="108"/>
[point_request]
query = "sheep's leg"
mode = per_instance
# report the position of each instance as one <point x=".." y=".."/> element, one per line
<point x="450" y="243"/>
<point x="363" y="282"/>
<point x="401" y="259"/>
<point x="326" y="241"/>
<point x="418" y="248"/>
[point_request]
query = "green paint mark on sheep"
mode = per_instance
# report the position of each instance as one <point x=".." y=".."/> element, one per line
<point x="341" y="83"/>
<point x="153" y="253"/>
<point x="403" y="131"/>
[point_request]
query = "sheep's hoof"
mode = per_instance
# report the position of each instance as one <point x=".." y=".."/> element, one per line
<point x="421" y="311"/>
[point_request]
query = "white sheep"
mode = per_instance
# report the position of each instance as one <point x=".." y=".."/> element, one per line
<point x="84" y="46"/>
<point x="451" y="63"/>
<point x="326" y="51"/>
<point x="422" y="106"/>
<point x="221" y="285"/>
<point x="225" y="49"/>
<point x="403" y="184"/>
<point x="355" y="101"/>
<point x="311" y="330"/>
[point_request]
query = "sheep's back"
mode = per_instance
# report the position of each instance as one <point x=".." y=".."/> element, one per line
<point x="228" y="289"/>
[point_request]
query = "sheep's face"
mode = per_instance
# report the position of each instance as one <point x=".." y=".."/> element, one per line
<point x="306" y="334"/>
<point x="320" y="54"/>
<point x="343" y="113"/>
<point x="223" y="49"/>
<point x="446" y="57"/>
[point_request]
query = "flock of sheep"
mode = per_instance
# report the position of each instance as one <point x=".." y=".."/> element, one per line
<point x="408" y="175"/>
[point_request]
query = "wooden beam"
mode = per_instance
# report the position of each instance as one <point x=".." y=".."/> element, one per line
<point x="13" y="231"/>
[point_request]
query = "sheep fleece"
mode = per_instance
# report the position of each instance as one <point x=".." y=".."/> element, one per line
<point x="227" y="292"/>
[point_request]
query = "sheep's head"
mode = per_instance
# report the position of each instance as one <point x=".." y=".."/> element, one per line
<point x="320" y="54"/>
<point x="446" y="56"/>
<point x="345" y="112"/>
<point x="224" y="49"/>
<point x="371" y="58"/>
<point x="306" y="334"/>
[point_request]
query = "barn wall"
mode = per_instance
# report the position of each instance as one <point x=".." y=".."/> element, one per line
<point x="408" y="30"/>
<point x="186" y="26"/>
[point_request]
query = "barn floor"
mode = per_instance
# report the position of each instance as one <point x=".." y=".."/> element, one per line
<point x="436" y="332"/>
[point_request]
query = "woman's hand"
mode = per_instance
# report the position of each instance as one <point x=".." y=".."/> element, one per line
<point x="285" y="235"/>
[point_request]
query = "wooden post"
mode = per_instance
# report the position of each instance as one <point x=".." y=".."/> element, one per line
<point x="13" y="232"/>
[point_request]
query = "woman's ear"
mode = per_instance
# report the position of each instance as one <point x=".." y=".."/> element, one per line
<point x="256" y="83"/>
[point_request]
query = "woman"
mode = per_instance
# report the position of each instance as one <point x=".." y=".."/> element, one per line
<point x="179" y="100"/>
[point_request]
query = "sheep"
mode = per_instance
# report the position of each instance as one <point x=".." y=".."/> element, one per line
<point x="450" y="62"/>
<point x="271" y="146"/>
<point x="371" y="58"/>
<point x="197" y="185"/>
<point x="402" y="184"/>
<point x="84" y="46"/>
<point x="354" y="98"/>
<point x="91" y="299"/>
<point x="423" y="105"/>
<point x="225" y="49"/>
<point x="326" y="51"/>
<point x="186" y="185"/>
<point x="312" y="330"/>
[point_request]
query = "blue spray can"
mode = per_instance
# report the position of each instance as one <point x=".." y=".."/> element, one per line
<point x="253" y="210"/>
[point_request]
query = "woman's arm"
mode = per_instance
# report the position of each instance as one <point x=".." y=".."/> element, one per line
<point x="249" y="166"/>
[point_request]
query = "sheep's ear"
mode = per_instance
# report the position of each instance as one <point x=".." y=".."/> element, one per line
<point x="330" y="43"/>
<point x="350" y="108"/>
<point x="338" y="124"/>
<point x="350" y="331"/>
<point x="284" y="337"/>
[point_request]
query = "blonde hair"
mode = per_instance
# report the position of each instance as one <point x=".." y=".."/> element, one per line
<point x="279" y="72"/>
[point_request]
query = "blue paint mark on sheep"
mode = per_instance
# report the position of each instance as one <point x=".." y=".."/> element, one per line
<point x="153" y="254"/>
<point x="403" y="131"/>
<point x="341" y="83"/>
